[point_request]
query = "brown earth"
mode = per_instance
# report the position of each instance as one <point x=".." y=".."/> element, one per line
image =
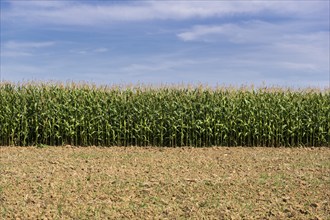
<point x="164" y="183"/>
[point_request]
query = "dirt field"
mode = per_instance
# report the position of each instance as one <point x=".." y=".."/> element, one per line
<point x="164" y="183"/>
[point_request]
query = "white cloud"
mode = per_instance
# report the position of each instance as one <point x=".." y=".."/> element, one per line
<point x="253" y="31"/>
<point x="87" y="51"/>
<point x="26" y="45"/>
<point x="299" y="66"/>
<point x="250" y="51"/>
<point x="84" y="13"/>
<point x="200" y="32"/>
<point x="9" y="53"/>
<point x="101" y="50"/>
<point x="22" y="48"/>
<point x="154" y="65"/>
<point x="290" y="43"/>
<point x="278" y="51"/>
<point x="44" y="4"/>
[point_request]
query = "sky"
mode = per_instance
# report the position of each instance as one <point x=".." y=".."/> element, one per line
<point x="277" y="43"/>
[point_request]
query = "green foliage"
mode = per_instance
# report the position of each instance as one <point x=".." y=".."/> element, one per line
<point x="56" y="114"/>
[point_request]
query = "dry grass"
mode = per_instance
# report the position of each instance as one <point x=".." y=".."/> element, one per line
<point x="160" y="183"/>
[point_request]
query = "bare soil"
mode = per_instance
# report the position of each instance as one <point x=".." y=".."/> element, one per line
<point x="164" y="183"/>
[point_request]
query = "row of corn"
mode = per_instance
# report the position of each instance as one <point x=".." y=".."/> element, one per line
<point x="83" y="115"/>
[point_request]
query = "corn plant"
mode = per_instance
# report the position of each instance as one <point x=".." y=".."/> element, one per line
<point x="83" y="115"/>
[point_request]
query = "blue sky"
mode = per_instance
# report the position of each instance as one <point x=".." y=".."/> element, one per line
<point x="283" y="43"/>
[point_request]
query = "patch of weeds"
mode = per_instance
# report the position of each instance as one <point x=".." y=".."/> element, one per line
<point x="39" y="189"/>
<point x="249" y="207"/>
<point x="203" y="204"/>
<point x="84" y="156"/>
<point x="263" y="178"/>
<point x="91" y="212"/>
<point x="129" y="155"/>
<point x="208" y="183"/>
<point x="42" y="145"/>
<point x="132" y="205"/>
<point x="279" y="180"/>
<point x="59" y="209"/>
<point x="3" y="211"/>
<point x="315" y="182"/>
<point x="155" y="200"/>
<point x="143" y="205"/>
<point x="325" y="164"/>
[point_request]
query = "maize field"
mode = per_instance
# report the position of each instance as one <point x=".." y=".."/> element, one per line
<point x="174" y="116"/>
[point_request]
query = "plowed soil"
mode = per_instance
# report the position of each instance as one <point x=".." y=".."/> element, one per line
<point x="164" y="183"/>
